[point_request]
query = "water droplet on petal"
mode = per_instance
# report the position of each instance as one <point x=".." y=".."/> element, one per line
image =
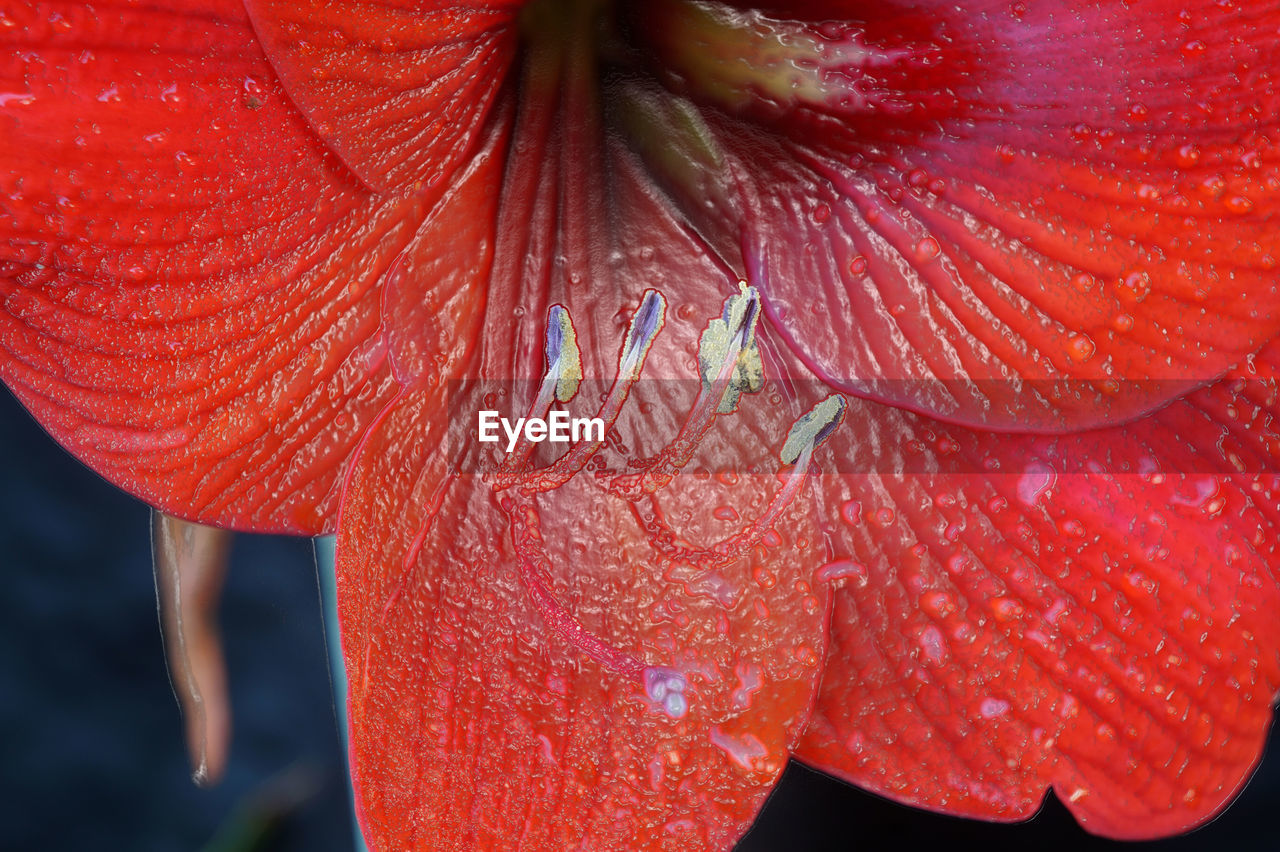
<point x="933" y="645"/>
<point x="938" y="604"/>
<point x="993" y="708"/>
<point x="1188" y="155"/>
<point x="927" y="249"/>
<point x="843" y="569"/>
<point x="726" y="513"/>
<point x="1006" y="609"/>
<point x="665" y="687"/>
<point x="1136" y="285"/>
<point x="1035" y="481"/>
<point x="1239" y="204"/>
<point x="749" y="683"/>
<point x="747" y="751"/>
<point x="1080" y="348"/>
<point x="172" y="97"/>
<point x="1083" y="281"/>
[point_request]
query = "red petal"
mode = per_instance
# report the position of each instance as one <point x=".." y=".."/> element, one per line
<point x="1096" y="613"/>
<point x="1000" y="214"/>
<point x="399" y="90"/>
<point x="473" y="723"/>
<point x="188" y="280"/>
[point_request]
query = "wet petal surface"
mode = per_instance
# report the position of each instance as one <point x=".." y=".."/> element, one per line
<point x="217" y="279"/>
<point x="188" y="280"/>
<point x="1093" y="612"/>
<point x="399" y="91"/>
<point x="1007" y="215"/>
<point x="475" y="719"/>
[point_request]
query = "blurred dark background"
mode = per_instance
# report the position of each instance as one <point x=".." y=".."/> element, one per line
<point x="91" y="753"/>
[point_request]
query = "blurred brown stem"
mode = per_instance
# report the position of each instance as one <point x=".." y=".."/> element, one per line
<point x="190" y="563"/>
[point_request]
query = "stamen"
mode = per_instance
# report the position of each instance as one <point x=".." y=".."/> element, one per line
<point x="812" y="429"/>
<point x="727" y="353"/>
<point x="560" y="383"/>
<point x="564" y="360"/>
<point x="730" y="365"/>
<point x="645" y="325"/>
<point x="806" y="435"/>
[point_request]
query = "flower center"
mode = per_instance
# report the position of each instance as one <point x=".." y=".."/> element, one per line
<point x="730" y="365"/>
<point x="562" y="23"/>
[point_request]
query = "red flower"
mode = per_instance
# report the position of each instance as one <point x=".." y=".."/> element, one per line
<point x="265" y="270"/>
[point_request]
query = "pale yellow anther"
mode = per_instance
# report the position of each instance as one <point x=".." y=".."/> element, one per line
<point x="732" y="338"/>
<point x="813" y="428"/>
<point x="564" y="359"/>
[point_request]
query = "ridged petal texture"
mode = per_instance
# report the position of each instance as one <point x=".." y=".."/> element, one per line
<point x="475" y="725"/>
<point x="1002" y="214"/>
<point x="398" y="89"/>
<point x="188" y="279"/>
<point x="939" y="212"/>
<point x="222" y="259"/>
<point x="1095" y="612"/>
<point x="475" y="722"/>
